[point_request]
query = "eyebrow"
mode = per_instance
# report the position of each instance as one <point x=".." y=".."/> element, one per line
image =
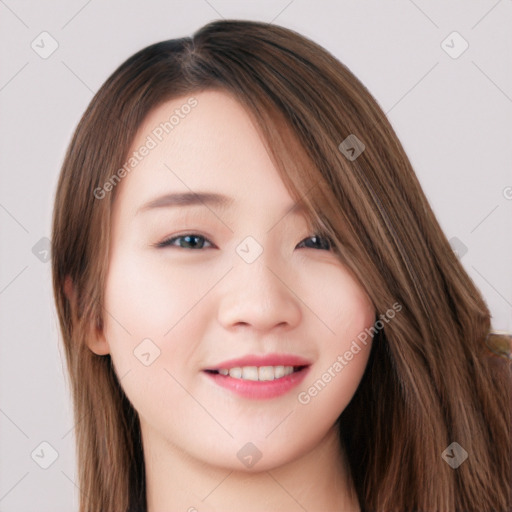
<point x="185" y="199"/>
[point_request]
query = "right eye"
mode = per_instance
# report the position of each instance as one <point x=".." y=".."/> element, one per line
<point x="189" y="241"/>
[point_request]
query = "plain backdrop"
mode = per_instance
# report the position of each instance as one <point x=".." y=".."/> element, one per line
<point x="451" y="110"/>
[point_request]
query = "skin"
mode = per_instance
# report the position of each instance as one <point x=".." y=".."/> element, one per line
<point x="205" y="305"/>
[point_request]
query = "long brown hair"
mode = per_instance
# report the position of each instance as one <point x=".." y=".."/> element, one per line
<point x="430" y="379"/>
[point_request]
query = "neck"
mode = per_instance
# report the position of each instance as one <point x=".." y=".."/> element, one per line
<point x="318" y="480"/>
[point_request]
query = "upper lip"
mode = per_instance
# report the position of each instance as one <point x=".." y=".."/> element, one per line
<point x="262" y="360"/>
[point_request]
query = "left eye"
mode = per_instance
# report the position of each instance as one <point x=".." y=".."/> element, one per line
<point x="326" y="245"/>
<point x="195" y="241"/>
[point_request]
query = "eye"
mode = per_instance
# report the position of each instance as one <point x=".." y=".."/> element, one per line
<point x="319" y="242"/>
<point x="190" y="241"/>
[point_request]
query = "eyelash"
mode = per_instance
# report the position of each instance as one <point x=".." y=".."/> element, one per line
<point x="168" y="242"/>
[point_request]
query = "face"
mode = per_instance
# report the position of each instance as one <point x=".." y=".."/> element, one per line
<point x="239" y="286"/>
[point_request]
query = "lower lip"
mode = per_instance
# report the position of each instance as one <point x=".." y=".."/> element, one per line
<point x="259" y="390"/>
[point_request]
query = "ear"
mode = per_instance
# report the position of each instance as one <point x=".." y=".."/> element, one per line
<point x="96" y="340"/>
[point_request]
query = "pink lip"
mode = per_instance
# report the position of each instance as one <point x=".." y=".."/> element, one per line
<point x="261" y="389"/>
<point x="263" y="360"/>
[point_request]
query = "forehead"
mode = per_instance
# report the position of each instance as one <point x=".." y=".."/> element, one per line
<point x="213" y="146"/>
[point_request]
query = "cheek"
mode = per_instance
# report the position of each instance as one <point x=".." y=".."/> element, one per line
<point x="150" y="332"/>
<point x="344" y="342"/>
<point x="143" y="298"/>
<point x="152" y="316"/>
<point x="334" y="379"/>
<point x="341" y="305"/>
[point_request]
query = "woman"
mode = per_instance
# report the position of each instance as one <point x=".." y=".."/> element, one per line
<point x="259" y="309"/>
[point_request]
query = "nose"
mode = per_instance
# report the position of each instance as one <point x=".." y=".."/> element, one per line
<point x="260" y="295"/>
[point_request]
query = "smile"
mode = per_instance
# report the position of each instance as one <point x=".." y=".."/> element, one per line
<point x="259" y="376"/>
<point x="258" y="373"/>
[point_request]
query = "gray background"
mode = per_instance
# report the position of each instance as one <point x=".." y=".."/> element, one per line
<point x="453" y="116"/>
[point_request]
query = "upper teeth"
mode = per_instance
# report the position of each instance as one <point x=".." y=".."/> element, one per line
<point x="257" y="373"/>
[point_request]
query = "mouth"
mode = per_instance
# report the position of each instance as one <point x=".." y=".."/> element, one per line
<point x="258" y="373"/>
<point x="259" y="377"/>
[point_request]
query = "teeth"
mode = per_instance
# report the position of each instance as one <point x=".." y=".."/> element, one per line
<point x="250" y="373"/>
<point x="266" y="373"/>
<point x="236" y="373"/>
<point x="256" y="373"/>
<point x="279" y="372"/>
